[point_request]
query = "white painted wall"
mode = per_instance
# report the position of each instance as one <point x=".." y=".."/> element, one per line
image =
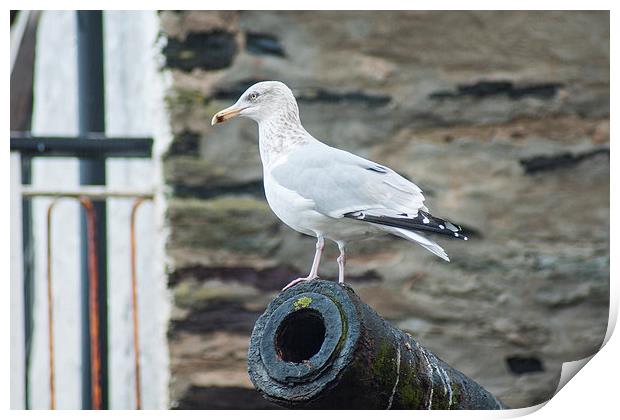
<point x="134" y="107"/>
<point x="55" y="113"/>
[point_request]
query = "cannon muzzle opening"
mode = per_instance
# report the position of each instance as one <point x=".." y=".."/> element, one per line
<point x="319" y="346"/>
<point x="300" y="336"/>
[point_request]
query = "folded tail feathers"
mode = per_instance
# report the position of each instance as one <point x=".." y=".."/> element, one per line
<point x="419" y="239"/>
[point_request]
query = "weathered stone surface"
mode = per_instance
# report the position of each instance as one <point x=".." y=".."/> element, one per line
<point x="502" y="118"/>
<point x="205" y="50"/>
<point x="238" y="224"/>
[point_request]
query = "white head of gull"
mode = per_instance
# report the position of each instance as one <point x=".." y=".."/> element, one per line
<point x="326" y="192"/>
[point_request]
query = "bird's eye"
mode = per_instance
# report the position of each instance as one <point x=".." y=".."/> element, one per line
<point x="253" y="96"/>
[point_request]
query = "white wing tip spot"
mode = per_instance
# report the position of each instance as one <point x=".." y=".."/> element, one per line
<point x="441" y="227"/>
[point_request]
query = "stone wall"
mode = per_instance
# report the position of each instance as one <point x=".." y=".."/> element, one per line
<point x="502" y="118"/>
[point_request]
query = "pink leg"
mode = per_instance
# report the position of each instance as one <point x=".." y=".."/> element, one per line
<point x="342" y="259"/>
<point x="320" y="244"/>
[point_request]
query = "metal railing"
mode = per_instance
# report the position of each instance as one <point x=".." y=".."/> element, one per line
<point x="92" y="147"/>
<point x="85" y="197"/>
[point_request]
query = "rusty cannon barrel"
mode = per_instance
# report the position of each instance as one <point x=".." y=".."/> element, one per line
<point x="319" y="346"/>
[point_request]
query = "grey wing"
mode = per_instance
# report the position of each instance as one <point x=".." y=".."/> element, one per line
<point x="340" y="182"/>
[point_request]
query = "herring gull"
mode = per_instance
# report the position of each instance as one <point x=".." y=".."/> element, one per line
<point x="326" y="192"/>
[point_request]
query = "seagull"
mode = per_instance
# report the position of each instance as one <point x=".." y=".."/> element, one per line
<point x="329" y="193"/>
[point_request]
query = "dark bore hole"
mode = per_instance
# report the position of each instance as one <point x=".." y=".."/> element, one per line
<point x="300" y="336"/>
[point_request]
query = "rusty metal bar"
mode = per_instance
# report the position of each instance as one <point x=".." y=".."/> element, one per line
<point x="93" y="298"/>
<point x="92" y="192"/>
<point x="93" y="303"/>
<point x="50" y="307"/>
<point x="91" y="119"/>
<point x="134" y="301"/>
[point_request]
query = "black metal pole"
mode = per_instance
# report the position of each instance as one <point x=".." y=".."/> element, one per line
<point x="92" y="146"/>
<point x="28" y="251"/>
<point x="91" y="109"/>
<point x="319" y="346"/>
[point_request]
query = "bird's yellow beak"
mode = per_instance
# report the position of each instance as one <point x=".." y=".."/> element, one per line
<point x="226" y="114"/>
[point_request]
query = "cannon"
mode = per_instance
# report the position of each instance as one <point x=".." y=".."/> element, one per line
<point x="318" y="346"/>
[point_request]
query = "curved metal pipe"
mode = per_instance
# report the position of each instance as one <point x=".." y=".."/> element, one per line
<point x="93" y="303"/>
<point x="50" y="307"/>
<point x="93" y="298"/>
<point x="134" y="301"/>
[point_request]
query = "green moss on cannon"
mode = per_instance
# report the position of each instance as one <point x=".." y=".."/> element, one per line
<point x="302" y="302"/>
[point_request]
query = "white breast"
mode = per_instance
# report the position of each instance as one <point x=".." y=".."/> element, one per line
<point x="290" y="207"/>
<point x="300" y="214"/>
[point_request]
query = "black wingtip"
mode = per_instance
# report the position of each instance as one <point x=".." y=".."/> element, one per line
<point x="423" y="221"/>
